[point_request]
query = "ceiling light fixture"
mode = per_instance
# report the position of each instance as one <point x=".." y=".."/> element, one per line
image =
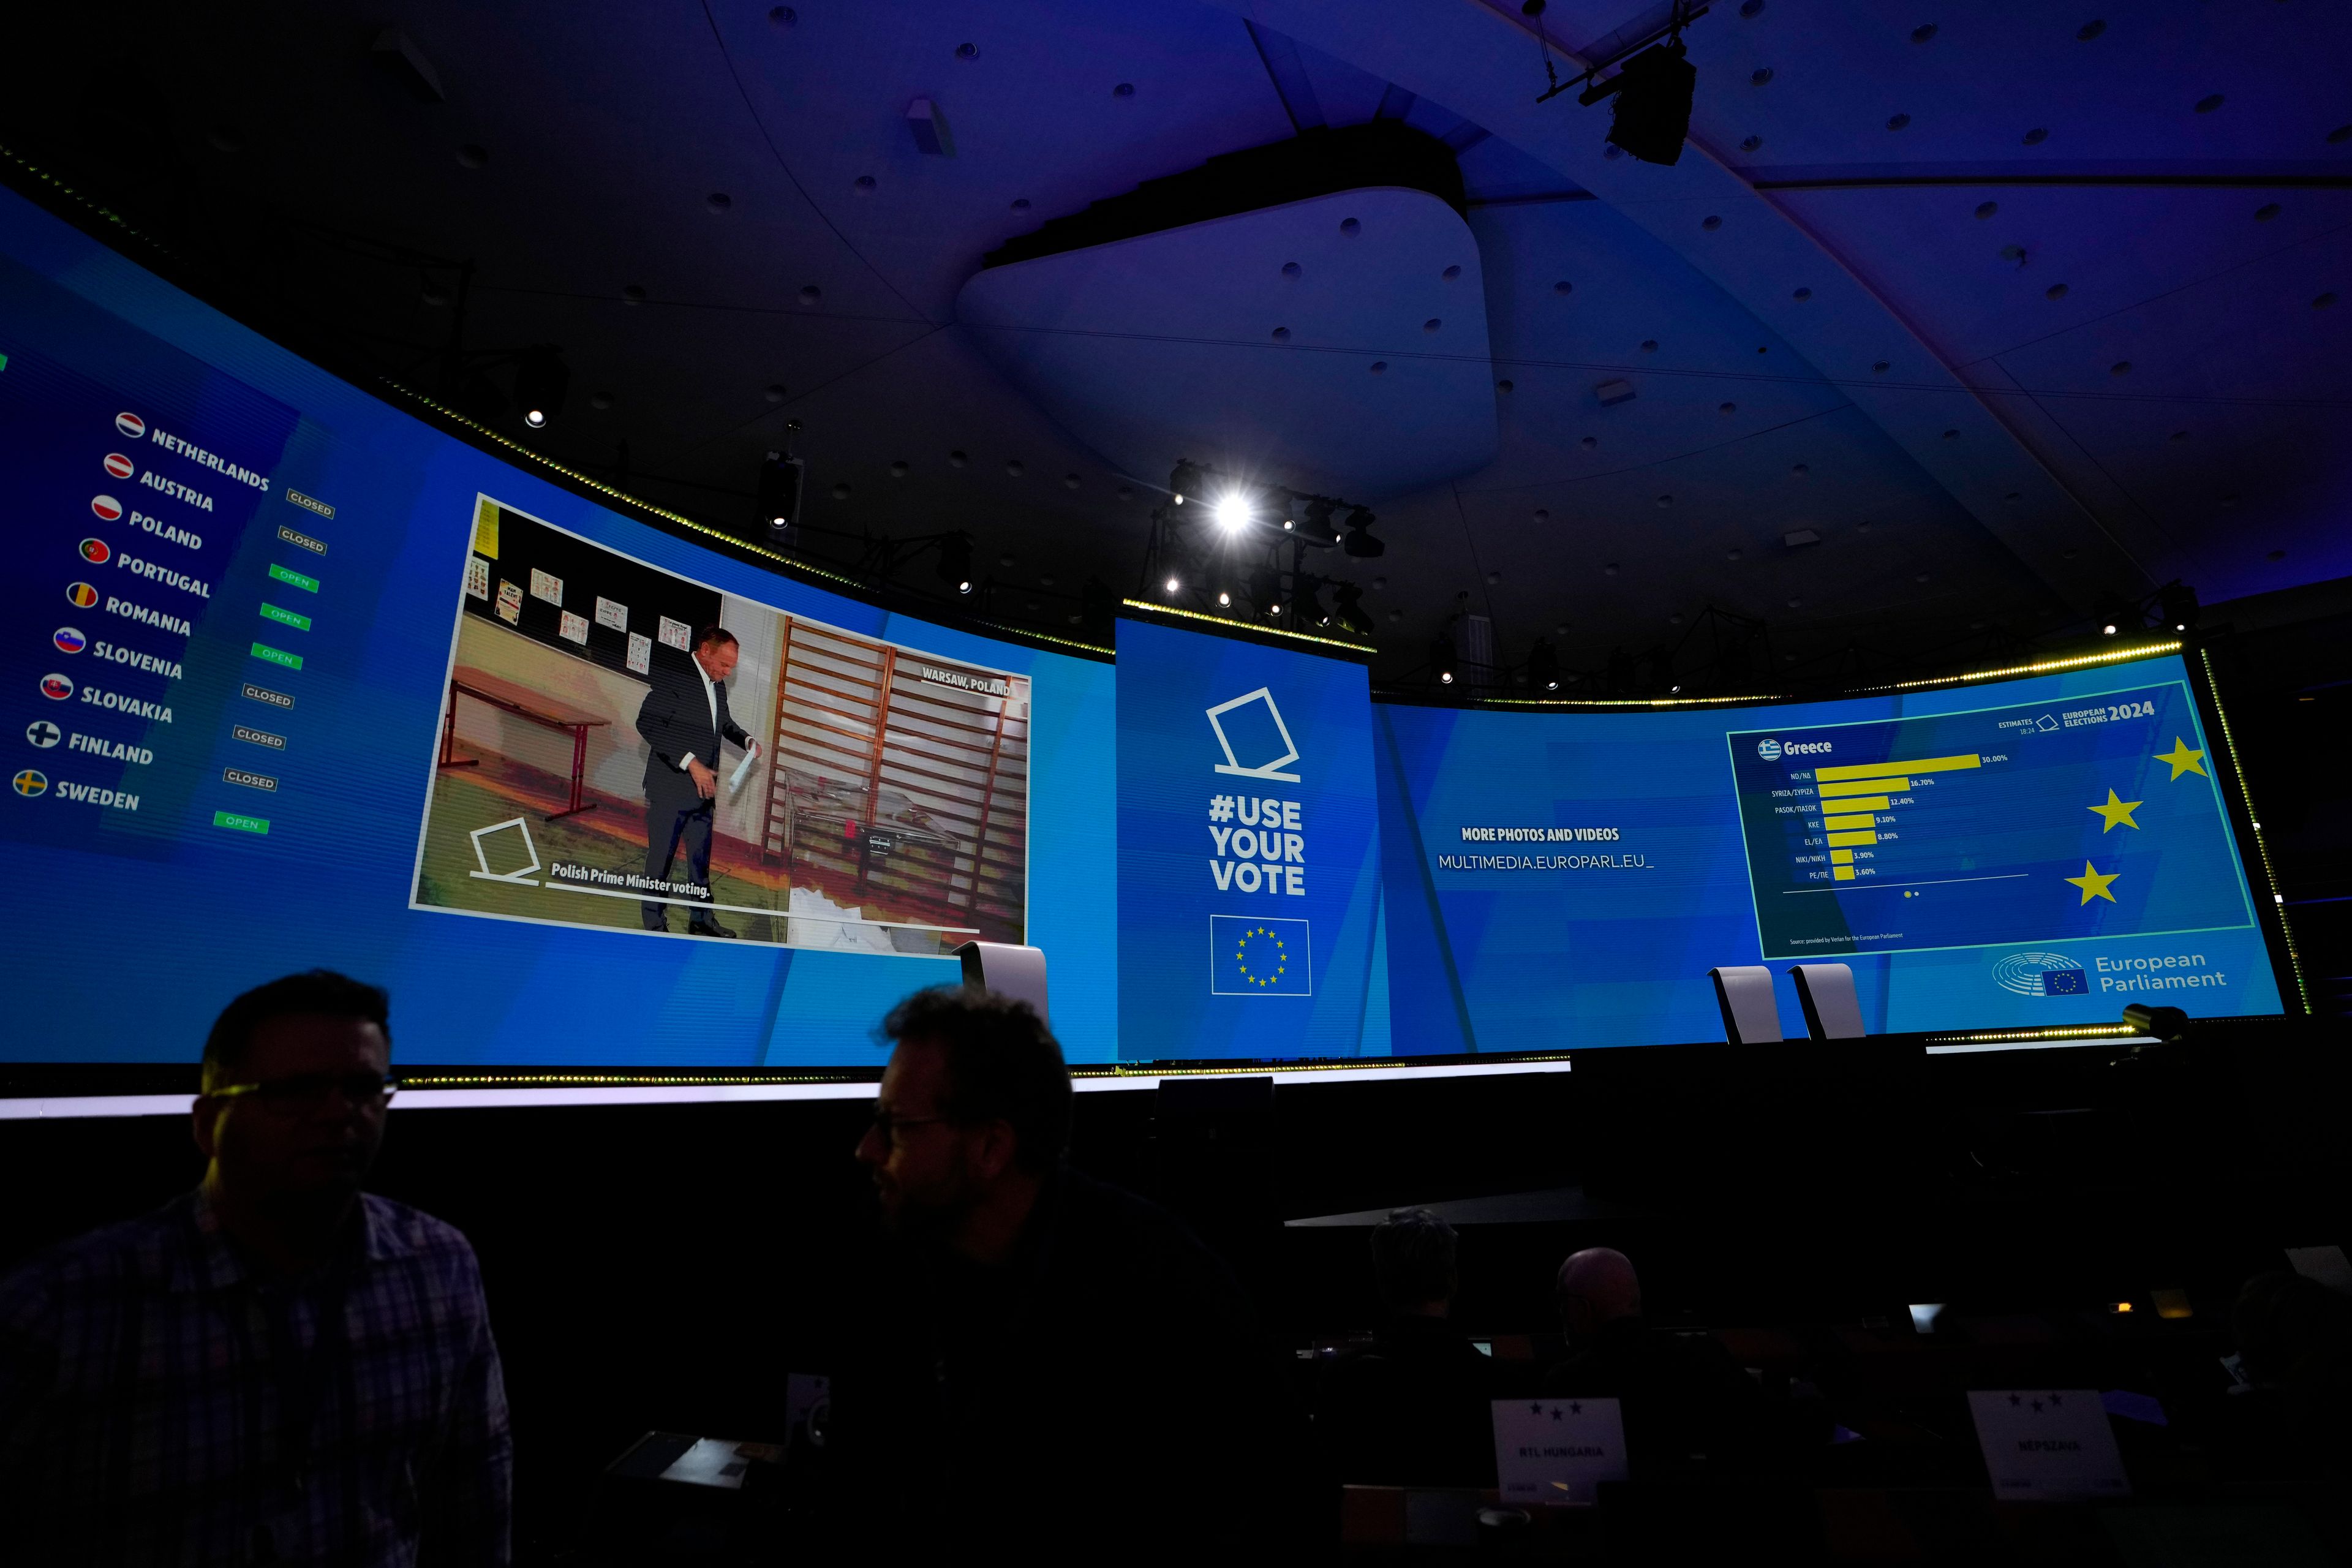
<point x="782" y="480"/>
<point x="1184" y="481"/>
<point x="1232" y="511"/>
<point x="1653" y="93"/>
<point x="955" y="560"/>
<point x="1543" y="666"/>
<point x="1359" y="542"/>
<point x="541" y="379"/>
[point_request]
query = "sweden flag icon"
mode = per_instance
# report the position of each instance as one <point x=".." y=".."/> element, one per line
<point x="1253" y="956"/>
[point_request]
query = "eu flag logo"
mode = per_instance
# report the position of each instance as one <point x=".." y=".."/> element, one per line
<point x="1254" y="956"/>
<point x="2064" y="983"/>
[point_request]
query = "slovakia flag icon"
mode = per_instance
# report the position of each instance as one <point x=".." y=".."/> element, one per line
<point x="56" y="687"/>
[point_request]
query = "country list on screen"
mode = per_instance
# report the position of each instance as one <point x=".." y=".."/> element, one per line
<point x="133" y="548"/>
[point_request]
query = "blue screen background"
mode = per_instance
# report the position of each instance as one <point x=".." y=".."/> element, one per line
<point x="128" y="929"/>
<point x="1530" y="960"/>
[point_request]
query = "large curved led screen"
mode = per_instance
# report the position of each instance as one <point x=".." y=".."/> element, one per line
<point x="293" y="679"/>
<point x="2041" y="851"/>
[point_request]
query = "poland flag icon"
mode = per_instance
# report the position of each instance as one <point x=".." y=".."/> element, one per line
<point x="107" y="507"/>
<point x="117" y="464"/>
<point x="131" y="424"/>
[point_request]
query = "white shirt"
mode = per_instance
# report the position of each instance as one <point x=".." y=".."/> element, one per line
<point x="709" y="695"/>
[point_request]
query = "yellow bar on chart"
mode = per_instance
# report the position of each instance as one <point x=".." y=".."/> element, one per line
<point x="1842" y="857"/>
<point x="1841" y="873"/>
<point x="1837" y="823"/>
<point x="1837" y="839"/>
<point x="1887" y="770"/>
<point x="1864" y="803"/>
<point x="1860" y="786"/>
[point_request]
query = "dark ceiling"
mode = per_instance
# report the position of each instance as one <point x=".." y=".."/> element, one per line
<point x="2007" y="309"/>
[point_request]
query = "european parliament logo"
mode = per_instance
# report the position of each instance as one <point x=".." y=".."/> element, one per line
<point x="2041" y="974"/>
<point x="1252" y="955"/>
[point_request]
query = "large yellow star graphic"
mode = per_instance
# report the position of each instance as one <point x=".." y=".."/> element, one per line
<point x="2093" y="885"/>
<point x="2183" y="760"/>
<point x="2116" y="811"/>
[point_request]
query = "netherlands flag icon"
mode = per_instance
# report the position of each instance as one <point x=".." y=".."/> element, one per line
<point x="69" y="640"/>
<point x="131" y="424"/>
<point x="109" y="510"/>
<point x="81" y="595"/>
<point x="117" y="464"/>
<point x="56" y="687"/>
<point x="95" y="551"/>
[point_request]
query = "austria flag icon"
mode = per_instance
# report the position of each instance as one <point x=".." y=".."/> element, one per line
<point x="109" y="510"/>
<point x="131" y="424"/>
<point x="56" y="687"/>
<point x="117" y="464"/>
<point x="95" y="551"/>
<point x="69" y="640"/>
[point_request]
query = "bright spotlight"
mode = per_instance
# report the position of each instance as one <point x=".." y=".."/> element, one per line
<point x="1225" y="598"/>
<point x="1445" y="677"/>
<point x="1233" y="511"/>
<point x="1173" y="584"/>
<point x="2109" y="629"/>
<point x="535" y="418"/>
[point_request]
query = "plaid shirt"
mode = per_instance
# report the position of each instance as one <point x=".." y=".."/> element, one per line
<point x="160" y="1404"/>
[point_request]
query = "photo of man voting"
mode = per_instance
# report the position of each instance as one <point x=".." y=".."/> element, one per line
<point x="684" y="720"/>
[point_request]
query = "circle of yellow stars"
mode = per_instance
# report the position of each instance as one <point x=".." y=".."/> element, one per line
<point x="2118" y="811"/>
<point x="1281" y="957"/>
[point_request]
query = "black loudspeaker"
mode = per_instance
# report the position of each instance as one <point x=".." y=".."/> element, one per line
<point x="783" y="481"/>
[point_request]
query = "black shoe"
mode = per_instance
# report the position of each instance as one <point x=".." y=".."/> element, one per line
<point x="707" y="927"/>
<point x="657" y="922"/>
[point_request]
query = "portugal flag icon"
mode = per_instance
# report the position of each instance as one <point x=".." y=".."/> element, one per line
<point x="117" y="464"/>
<point x="69" y="640"/>
<point x="95" y="551"/>
<point x="109" y="510"/>
<point x="81" y="595"/>
<point x="131" y="424"/>
<point x="56" y="687"/>
<point x="32" y="781"/>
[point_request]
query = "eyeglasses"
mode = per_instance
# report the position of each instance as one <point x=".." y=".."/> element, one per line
<point x="885" y="1125"/>
<point x="309" y="1091"/>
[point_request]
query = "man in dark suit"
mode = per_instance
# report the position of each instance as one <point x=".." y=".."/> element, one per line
<point x="683" y="721"/>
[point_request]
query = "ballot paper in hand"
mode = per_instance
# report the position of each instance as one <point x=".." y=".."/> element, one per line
<point x="742" y="769"/>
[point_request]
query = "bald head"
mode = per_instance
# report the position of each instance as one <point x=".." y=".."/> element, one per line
<point x="1597" y="1285"/>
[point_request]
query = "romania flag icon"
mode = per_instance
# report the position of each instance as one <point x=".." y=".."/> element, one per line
<point x="1251" y="956"/>
<point x="80" y="595"/>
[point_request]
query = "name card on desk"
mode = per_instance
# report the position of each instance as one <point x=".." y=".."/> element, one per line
<point x="2048" y="1445"/>
<point x="1558" y="1451"/>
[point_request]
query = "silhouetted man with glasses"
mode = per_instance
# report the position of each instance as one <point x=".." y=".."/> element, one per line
<point x="1039" y="1360"/>
<point x="275" y="1367"/>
